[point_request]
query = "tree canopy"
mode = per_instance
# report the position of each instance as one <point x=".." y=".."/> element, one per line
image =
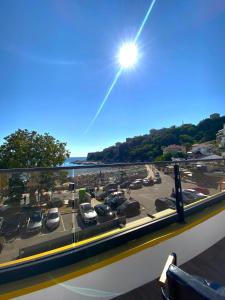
<point x="26" y="149"/>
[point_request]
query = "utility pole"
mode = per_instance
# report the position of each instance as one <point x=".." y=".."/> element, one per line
<point x="179" y="198"/>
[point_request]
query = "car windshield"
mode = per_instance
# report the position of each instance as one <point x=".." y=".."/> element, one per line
<point x="9" y="223"/>
<point x="36" y="217"/>
<point x="87" y="208"/>
<point x="53" y="215"/>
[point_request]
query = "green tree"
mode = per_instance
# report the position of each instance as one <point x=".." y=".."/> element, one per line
<point x="186" y="139"/>
<point x="165" y="157"/>
<point x="16" y="187"/>
<point x="26" y="149"/>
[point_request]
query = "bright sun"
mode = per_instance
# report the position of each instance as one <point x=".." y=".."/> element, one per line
<point x="128" y="55"/>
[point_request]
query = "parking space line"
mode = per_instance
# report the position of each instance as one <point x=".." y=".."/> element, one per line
<point x="63" y="223"/>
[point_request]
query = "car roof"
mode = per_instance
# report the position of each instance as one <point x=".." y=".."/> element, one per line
<point x="190" y="190"/>
<point x="129" y="203"/>
<point x="37" y="211"/>
<point x="117" y="193"/>
<point x="85" y="204"/>
<point x="100" y="205"/>
<point x="53" y="210"/>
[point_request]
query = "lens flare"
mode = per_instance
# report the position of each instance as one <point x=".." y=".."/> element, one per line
<point x="128" y="55"/>
<point x="127" y="59"/>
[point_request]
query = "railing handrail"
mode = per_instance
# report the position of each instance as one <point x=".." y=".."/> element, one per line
<point x="94" y="166"/>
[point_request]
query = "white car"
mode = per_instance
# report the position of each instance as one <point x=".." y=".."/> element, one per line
<point x="88" y="213"/>
<point x="53" y="218"/>
<point x="117" y="194"/>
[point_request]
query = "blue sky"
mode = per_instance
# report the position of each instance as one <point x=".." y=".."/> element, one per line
<point x="58" y="58"/>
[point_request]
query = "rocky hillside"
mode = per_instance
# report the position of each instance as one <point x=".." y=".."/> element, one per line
<point x="148" y="147"/>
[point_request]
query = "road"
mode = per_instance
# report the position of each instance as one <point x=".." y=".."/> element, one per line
<point x="150" y="171"/>
<point x="148" y="194"/>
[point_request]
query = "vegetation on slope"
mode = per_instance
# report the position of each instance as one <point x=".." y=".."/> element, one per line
<point x="148" y="147"/>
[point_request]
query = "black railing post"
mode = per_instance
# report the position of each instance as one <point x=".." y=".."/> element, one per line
<point x="178" y="193"/>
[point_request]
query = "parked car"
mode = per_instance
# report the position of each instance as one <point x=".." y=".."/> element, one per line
<point x="138" y="180"/>
<point x="135" y="185"/>
<point x="125" y="184"/>
<point x="147" y="182"/>
<point x="114" y="202"/>
<point x="11" y="226"/>
<point x="104" y="212"/>
<point x="52" y="220"/>
<point x="7" y="209"/>
<point x="110" y="186"/>
<point x="129" y="208"/>
<point x="1" y="222"/>
<point x="164" y="203"/>
<point x="91" y="191"/>
<point x="55" y="202"/>
<point x="35" y="221"/>
<point x="202" y="190"/>
<point x="100" y="195"/>
<point x="190" y="195"/>
<point x="117" y="194"/>
<point x="157" y="180"/>
<point x="88" y="214"/>
<point x="111" y="191"/>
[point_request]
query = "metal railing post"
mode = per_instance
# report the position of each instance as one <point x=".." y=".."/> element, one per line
<point x="178" y="193"/>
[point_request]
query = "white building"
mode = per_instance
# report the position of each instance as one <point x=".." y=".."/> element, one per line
<point x="203" y="148"/>
<point x="220" y="137"/>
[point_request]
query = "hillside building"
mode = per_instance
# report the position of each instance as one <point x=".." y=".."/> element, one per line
<point x="174" y="149"/>
<point x="214" y="116"/>
<point x="204" y="149"/>
<point x="220" y="137"/>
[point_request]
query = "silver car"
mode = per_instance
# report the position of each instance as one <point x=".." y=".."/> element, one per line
<point x="88" y="213"/>
<point x="35" y="221"/>
<point x="53" y="218"/>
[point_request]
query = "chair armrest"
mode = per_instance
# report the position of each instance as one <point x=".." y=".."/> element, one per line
<point x="172" y="259"/>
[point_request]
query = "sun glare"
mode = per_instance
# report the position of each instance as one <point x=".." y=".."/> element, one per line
<point x="128" y="55"/>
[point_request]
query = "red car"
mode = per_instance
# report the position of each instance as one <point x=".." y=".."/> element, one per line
<point x="202" y="190"/>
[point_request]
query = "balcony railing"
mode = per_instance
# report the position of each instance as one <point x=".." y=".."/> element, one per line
<point x="43" y="209"/>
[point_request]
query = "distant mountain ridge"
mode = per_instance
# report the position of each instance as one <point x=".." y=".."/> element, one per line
<point x="148" y="147"/>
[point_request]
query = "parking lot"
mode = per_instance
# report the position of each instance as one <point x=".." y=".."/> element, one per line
<point x="70" y="220"/>
<point x="13" y="246"/>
